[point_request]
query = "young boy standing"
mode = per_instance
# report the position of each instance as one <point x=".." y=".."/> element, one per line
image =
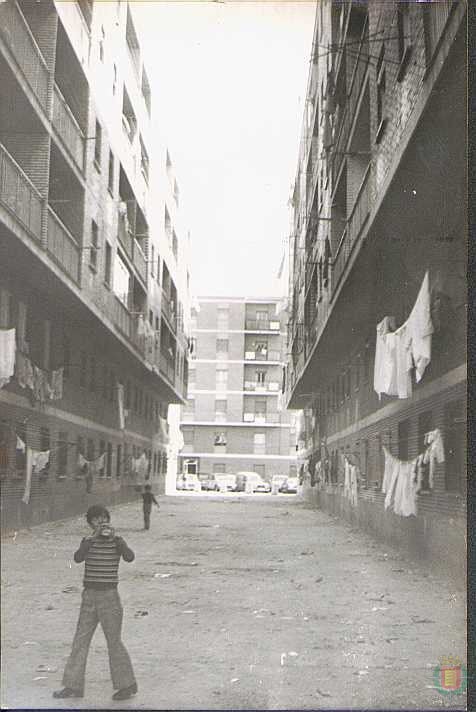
<point x="147" y="499"/>
<point x="101" y="552"/>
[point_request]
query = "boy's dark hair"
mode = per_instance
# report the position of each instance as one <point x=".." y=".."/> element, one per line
<point x="147" y="487"/>
<point x="97" y="510"/>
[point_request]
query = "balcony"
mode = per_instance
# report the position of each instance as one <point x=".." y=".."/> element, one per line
<point x="262" y="356"/>
<point x="125" y="237"/>
<point x="62" y="246"/>
<point x="17" y="35"/>
<point x="259" y="325"/>
<point x="68" y="129"/>
<point x="355" y="223"/>
<point x="19" y="195"/>
<point x="348" y="115"/>
<point x="168" y="310"/>
<point x="167" y="366"/>
<point x="261" y="418"/>
<point x="271" y="387"/>
<point x="139" y="261"/>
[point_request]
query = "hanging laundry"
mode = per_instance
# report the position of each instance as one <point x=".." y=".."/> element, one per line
<point x="434" y="453"/>
<point x="385" y="366"/>
<point x="398" y="352"/>
<point x="140" y="466"/>
<point x="7" y="355"/>
<point x="405" y="503"/>
<point x="420" y="329"/>
<point x="36" y="462"/>
<point x="24" y="371"/>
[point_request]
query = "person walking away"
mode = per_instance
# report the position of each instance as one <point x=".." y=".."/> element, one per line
<point x="147" y="499"/>
<point x="101" y="552"/>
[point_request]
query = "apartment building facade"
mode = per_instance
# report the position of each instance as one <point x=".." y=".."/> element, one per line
<point x="380" y="225"/>
<point x="93" y="263"/>
<point x="233" y="420"/>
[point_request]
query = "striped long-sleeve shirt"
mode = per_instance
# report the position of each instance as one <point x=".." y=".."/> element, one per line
<point x="101" y="557"/>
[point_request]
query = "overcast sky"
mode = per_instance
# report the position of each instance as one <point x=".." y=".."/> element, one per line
<point x="229" y="81"/>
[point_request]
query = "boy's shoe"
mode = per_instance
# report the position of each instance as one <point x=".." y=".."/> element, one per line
<point x="68" y="692"/>
<point x="125" y="692"/>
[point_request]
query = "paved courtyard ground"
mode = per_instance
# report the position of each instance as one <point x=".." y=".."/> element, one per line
<point x="235" y="603"/>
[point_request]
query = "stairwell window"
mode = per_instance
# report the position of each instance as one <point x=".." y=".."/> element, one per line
<point x="404" y="30"/>
<point x="98" y="146"/>
<point x="94" y="246"/>
<point x="221" y="379"/>
<point x="381" y="90"/>
<point x="259" y="444"/>
<point x="110" y="178"/>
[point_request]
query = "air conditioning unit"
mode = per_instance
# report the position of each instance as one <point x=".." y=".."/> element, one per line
<point x="248" y="417"/>
<point x="250" y="355"/>
<point x="274" y="325"/>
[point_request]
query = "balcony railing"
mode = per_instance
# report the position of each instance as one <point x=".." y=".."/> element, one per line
<point x="261" y="418"/>
<point x="271" y="387"/>
<point x="125" y="237"/>
<point x="19" y="195"/>
<point x="436" y="15"/>
<point x="262" y="356"/>
<point x="259" y="325"/>
<point x="168" y="310"/>
<point x="355" y="223"/>
<point x="62" y="246"/>
<point x="140" y="262"/>
<point x="16" y="33"/>
<point x="121" y="317"/>
<point x="349" y="109"/>
<point x="68" y="128"/>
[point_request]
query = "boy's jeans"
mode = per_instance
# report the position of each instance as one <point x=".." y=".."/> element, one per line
<point x="147" y="518"/>
<point x="104" y="607"/>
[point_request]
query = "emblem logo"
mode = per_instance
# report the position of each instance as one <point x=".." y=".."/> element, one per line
<point x="450" y="676"/>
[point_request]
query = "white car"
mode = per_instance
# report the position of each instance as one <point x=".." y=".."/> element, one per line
<point x="262" y="487"/>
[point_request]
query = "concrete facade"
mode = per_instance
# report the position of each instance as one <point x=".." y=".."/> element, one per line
<point x="93" y="257"/>
<point x="233" y="420"/>
<point x="379" y="201"/>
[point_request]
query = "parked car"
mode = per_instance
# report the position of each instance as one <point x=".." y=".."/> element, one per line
<point x="262" y="487"/>
<point x="190" y="483"/>
<point x="210" y="485"/>
<point x="290" y="486"/>
<point x="226" y="483"/>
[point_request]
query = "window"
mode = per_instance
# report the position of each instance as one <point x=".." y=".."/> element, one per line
<point x="190" y="467"/>
<point x="45" y="444"/>
<point x="94" y="246"/>
<point x="83" y="361"/>
<point x="260" y="378"/>
<point x="118" y="461"/>
<point x="219" y="468"/>
<point x="129" y="121"/>
<point x="259" y="443"/>
<point x="102" y="451"/>
<point x="101" y="44"/>
<point x="404" y="439"/>
<point x="425" y="424"/>
<point x="220" y="407"/>
<point x="98" y="145"/>
<point x="381" y="89"/>
<point x="455" y="446"/>
<point x="133" y="43"/>
<point x="174" y="244"/>
<point x="108" y="265"/>
<point x="110" y="179"/>
<point x="146" y="90"/>
<point x="262" y="316"/>
<point x="188" y="436"/>
<point x="404" y="29"/>
<point x="260" y="407"/>
<point x="222" y="346"/>
<point x="222" y="318"/>
<point x="114" y="79"/>
<point x="261" y="349"/>
<point x="220" y="438"/>
<point x="109" y="460"/>
<point x="221" y="379"/>
<point x="144" y="160"/>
